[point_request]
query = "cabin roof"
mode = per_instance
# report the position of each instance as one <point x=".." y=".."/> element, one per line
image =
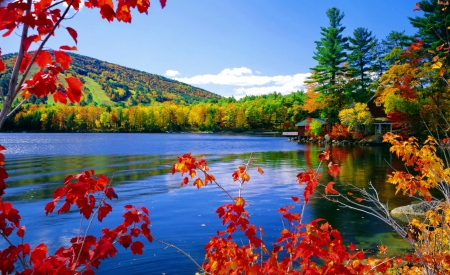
<point x="305" y="121"/>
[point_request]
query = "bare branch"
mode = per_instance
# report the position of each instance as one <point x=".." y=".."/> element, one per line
<point x="170" y="245"/>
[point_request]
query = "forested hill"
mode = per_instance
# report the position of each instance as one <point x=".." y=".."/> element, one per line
<point x="110" y="84"/>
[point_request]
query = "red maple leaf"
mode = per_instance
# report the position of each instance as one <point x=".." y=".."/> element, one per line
<point x="325" y="155"/>
<point x="38" y="254"/>
<point x="136" y="247"/>
<point x="125" y="240"/>
<point x="334" y="169"/>
<point x="330" y="190"/>
<point x="135" y="232"/>
<point x="74" y="91"/>
<point x="73" y="33"/>
<point x="60" y="97"/>
<point x="43" y="59"/>
<point x="25" y="62"/>
<point x="103" y="211"/>
<point x="21" y="231"/>
<point x="63" y="59"/>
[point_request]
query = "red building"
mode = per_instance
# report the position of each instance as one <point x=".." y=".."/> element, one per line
<point x="381" y="122"/>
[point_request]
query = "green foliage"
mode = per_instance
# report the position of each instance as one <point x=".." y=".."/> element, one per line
<point x="433" y="25"/>
<point x="396" y="103"/>
<point x="330" y="53"/>
<point x="394" y="44"/>
<point x="316" y="128"/>
<point x="361" y="60"/>
<point x="110" y="84"/>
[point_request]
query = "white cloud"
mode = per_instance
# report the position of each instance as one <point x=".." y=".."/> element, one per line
<point x="236" y="71"/>
<point x="236" y="76"/>
<point x="171" y="73"/>
<point x="249" y="84"/>
<point x="281" y="84"/>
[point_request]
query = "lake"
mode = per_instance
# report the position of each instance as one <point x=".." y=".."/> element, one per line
<point x="140" y="168"/>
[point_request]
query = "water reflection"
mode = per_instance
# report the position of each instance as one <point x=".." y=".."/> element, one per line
<point x="186" y="216"/>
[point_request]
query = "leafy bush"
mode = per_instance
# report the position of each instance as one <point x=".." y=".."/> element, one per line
<point x="340" y="132"/>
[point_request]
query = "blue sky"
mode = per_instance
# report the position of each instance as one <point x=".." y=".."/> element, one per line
<point x="229" y="47"/>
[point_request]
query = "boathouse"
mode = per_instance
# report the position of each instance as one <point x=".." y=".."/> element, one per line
<point x="301" y="126"/>
<point x="381" y="121"/>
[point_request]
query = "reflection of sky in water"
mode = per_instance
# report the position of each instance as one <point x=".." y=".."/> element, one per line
<point x="140" y="168"/>
<point x="154" y="144"/>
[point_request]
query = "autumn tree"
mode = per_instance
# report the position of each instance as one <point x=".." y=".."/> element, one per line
<point x="37" y="21"/>
<point x="356" y="116"/>
<point x="394" y="44"/>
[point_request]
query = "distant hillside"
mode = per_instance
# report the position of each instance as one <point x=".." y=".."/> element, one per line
<point x="110" y="84"/>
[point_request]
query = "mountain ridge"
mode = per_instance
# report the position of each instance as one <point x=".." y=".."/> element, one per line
<point x="110" y="84"/>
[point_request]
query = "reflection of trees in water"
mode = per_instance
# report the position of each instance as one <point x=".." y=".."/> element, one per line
<point x="359" y="166"/>
<point x="148" y="180"/>
<point x="38" y="177"/>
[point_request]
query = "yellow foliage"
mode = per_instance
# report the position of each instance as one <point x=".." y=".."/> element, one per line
<point x="431" y="236"/>
<point x="351" y="117"/>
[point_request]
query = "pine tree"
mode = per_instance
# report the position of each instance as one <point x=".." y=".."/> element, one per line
<point x="394" y="44"/>
<point x="330" y="53"/>
<point x="329" y="76"/>
<point x="433" y="25"/>
<point x="361" y="59"/>
<point x="380" y="65"/>
<point x="387" y="51"/>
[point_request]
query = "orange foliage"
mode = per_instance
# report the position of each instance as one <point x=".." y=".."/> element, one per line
<point x="340" y="132"/>
<point x="312" y="102"/>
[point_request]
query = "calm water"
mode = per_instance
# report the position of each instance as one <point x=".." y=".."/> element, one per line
<point x="140" y="166"/>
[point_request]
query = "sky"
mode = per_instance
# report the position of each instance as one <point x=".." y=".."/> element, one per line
<point x="228" y="47"/>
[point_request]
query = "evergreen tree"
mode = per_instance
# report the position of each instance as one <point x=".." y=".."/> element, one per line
<point x="331" y="68"/>
<point x="330" y="52"/>
<point x="361" y="59"/>
<point x="380" y="65"/>
<point x="433" y="25"/>
<point x="394" y="44"/>
<point x="387" y="51"/>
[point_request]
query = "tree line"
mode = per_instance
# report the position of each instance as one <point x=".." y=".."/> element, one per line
<point x="406" y="74"/>
<point x="264" y="113"/>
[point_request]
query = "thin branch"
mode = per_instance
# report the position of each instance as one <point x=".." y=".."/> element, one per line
<point x="169" y="245"/>
<point x="223" y="189"/>
<point x="17" y="107"/>
<point x="55" y="4"/>
<point x="247" y="166"/>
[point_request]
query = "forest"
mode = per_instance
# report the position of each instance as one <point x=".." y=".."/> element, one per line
<point x="263" y="113"/>
<point x="405" y="74"/>
<point x="408" y="76"/>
